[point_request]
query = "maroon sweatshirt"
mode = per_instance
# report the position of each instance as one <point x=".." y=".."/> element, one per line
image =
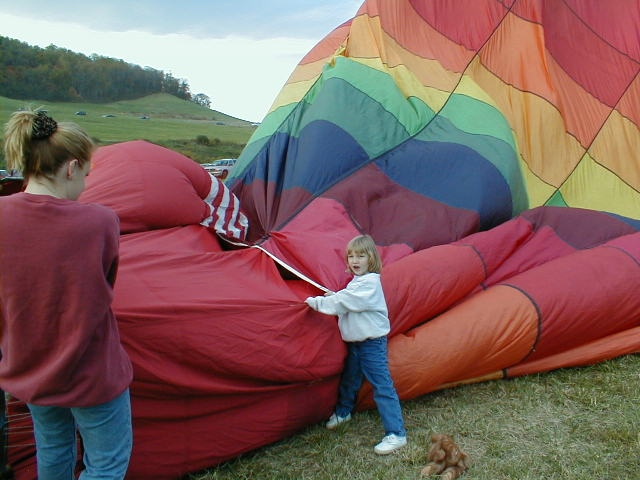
<point x="59" y="337"/>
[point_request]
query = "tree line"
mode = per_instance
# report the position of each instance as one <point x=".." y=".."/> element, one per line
<point x="58" y="74"/>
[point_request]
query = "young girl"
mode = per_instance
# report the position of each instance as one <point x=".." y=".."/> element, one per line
<point x="364" y="324"/>
<point x="61" y="351"/>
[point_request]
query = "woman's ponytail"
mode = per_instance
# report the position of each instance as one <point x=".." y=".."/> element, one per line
<point x="37" y="145"/>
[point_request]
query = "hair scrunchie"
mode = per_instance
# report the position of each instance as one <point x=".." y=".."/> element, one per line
<point x="43" y="126"/>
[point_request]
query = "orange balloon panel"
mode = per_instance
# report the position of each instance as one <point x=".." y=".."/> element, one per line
<point x="494" y="328"/>
<point x="622" y="343"/>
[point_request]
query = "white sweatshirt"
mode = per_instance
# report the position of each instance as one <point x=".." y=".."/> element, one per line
<point x="360" y="306"/>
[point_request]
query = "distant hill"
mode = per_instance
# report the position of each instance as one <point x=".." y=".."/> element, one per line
<point x="164" y="105"/>
<point x="58" y="74"/>
<point x="196" y="131"/>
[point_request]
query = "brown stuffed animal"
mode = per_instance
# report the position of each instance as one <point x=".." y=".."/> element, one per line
<point x="445" y="458"/>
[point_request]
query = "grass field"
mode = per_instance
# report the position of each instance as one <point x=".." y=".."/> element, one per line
<point x="171" y="122"/>
<point x="578" y="424"/>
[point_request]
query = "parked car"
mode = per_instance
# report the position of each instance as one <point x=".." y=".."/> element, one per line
<point x="81" y="112"/>
<point x="11" y="183"/>
<point x="220" y="168"/>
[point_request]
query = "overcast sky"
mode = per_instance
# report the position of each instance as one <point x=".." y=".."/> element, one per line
<point x="238" y="52"/>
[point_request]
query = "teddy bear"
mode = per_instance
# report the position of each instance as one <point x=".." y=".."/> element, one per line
<point x="446" y="458"/>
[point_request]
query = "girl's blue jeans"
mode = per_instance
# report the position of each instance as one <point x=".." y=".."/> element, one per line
<point x="369" y="359"/>
<point x="106" y="437"/>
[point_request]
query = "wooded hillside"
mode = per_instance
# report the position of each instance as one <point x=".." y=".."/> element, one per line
<point x="58" y="74"/>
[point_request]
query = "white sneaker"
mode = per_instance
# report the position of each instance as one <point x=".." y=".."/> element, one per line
<point x="389" y="444"/>
<point x="335" y="420"/>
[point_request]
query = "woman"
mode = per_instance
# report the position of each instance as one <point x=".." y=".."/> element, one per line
<point x="61" y="350"/>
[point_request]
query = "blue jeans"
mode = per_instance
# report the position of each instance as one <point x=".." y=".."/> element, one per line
<point x="106" y="434"/>
<point x="369" y="359"/>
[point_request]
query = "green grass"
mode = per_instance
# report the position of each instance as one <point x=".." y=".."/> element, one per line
<point x="172" y="122"/>
<point x="578" y="424"/>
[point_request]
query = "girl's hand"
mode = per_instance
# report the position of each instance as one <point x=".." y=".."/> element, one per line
<point x="329" y="293"/>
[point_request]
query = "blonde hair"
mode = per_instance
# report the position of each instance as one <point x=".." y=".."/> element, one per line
<point x="365" y="244"/>
<point x="37" y="145"/>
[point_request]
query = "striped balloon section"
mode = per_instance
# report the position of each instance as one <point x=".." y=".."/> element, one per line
<point x="483" y="107"/>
